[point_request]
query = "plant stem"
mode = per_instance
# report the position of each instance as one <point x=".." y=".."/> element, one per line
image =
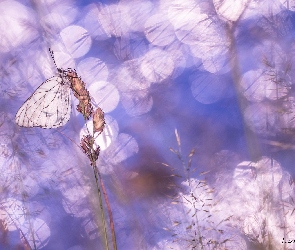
<point x="187" y="172"/>
<point x="100" y="204"/>
<point x="109" y="211"/>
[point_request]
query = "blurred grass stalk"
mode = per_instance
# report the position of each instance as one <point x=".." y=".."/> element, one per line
<point x="186" y="167"/>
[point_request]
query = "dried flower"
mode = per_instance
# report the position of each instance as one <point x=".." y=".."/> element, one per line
<point x="87" y="145"/>
<point x="81" y="93"/>
<point x="98" y="121"/>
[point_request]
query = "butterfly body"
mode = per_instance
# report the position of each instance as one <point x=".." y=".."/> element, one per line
<point x="49" y="106"/>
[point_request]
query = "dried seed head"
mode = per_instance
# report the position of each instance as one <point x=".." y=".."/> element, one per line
<point x="96" y="152"/>
<point x="98" y="121"/>
<point x="81" y="93"/>
<point x="87" y="145"/>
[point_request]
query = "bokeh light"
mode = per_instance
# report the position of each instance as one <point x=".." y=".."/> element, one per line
<point x="213" y="81"/>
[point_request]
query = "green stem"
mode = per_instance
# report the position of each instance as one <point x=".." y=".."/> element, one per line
<point x="100" y="204"/>
<point x="109" y="211"/>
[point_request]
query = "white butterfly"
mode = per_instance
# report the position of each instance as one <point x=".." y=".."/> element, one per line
<point x="49" y="106"/>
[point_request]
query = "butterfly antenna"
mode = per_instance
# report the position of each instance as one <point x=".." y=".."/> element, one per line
<point x="52" y="56"/>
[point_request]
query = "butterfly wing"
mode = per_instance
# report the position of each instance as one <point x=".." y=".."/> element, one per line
<point x="48" y="107"/>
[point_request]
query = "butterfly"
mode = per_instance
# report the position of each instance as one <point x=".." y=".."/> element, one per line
<point x="50" y="105"/>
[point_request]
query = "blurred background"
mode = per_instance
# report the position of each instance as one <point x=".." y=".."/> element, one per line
<point x="198" y="148"/>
